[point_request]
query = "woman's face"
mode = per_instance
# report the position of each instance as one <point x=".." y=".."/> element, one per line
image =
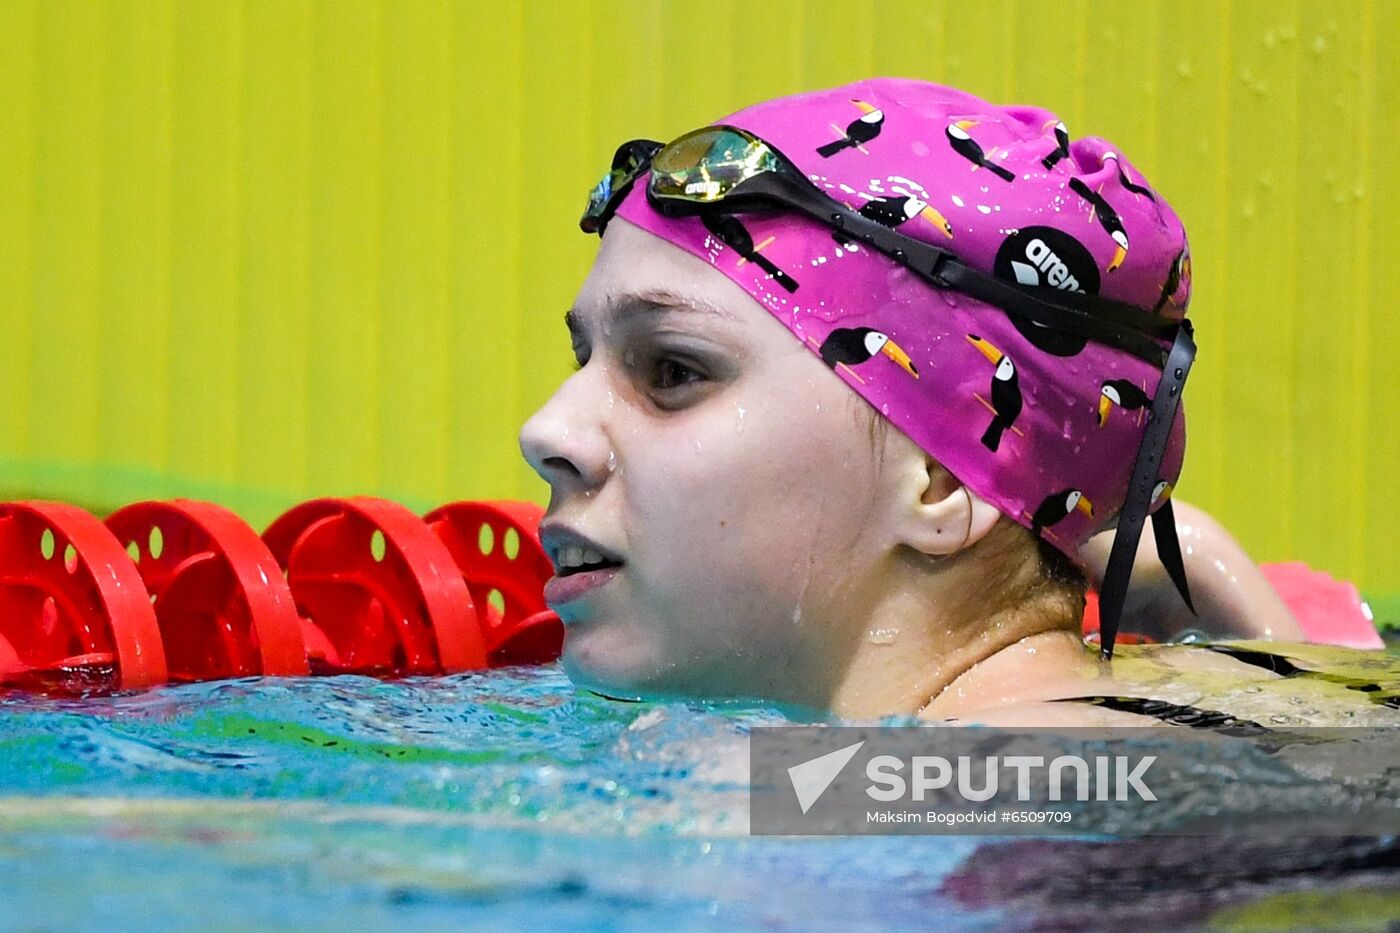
<point x="727" y="468"/>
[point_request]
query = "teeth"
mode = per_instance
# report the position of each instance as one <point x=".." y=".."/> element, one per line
<point x="572" y="555"/>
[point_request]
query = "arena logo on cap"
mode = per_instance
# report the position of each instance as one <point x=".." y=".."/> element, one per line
<point x="1046" y="257"/>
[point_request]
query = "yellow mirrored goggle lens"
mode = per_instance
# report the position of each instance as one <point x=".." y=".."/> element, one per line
<point x="708" y="163"/>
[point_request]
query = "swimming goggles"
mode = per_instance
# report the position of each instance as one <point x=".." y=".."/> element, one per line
<point x="728" y="170"/>
<point x="724" y="170"/>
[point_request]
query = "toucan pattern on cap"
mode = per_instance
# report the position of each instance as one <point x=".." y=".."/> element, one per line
<point x="1040" y="423"/>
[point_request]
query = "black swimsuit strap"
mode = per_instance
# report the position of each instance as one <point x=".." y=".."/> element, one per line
<point x="1176" y="714"/>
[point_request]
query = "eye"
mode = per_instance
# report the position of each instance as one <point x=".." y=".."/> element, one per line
<point x="673" y="377"/>
<point x="672" y="374"/>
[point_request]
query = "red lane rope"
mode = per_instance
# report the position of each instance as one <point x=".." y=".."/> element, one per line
<point x="186" y="590"/>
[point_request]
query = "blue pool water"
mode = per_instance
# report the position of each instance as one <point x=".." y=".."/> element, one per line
<point x="506" y="799"/>
<point x="502" y="799"/>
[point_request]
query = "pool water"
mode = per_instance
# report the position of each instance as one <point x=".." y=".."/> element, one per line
<point x="506" y="799"/>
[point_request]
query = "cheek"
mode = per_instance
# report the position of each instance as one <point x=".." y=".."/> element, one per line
<point x="766" y="496"/>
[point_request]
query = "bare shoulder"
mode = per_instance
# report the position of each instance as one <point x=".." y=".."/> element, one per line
<point x="1150" y="665"/>
<point x="1054" y="685"/>
<point x="1054" y="715"/>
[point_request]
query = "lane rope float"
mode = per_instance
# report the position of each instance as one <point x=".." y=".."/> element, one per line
<point x="74" y="614"/>
<point x="223" y="607"/>
<point x="496" y="546"/>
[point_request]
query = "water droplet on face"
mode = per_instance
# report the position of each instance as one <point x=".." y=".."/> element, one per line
<point x="883" y="636"/>
<point x="612" y="461"/>
<point x="739" y="423"/>
<point x="697" y="445"/>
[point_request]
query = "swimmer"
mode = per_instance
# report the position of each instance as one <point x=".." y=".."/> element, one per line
<point x="854" y="431"/>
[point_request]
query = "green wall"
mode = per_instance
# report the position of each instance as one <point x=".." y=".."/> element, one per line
<point x="261" y="251"/>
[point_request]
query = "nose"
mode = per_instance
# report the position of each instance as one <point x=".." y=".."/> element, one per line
<point x="566" y="441"/>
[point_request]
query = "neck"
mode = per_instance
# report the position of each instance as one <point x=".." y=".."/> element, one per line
<point x="935" y="647"/>
<point x="1045" y="666"/>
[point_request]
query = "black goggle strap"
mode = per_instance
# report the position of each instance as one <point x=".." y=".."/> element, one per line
<point x="1144" y="479"/>
<point x="1169" y="550"/>
<point x="630" y="162"/>
<point x="1102" y="320"/>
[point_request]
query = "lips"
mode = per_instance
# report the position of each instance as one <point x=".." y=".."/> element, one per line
<point x="562" y="542"/>
<point x="563" y="589"/>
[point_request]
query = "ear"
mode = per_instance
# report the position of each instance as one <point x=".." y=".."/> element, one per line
<point x="945" y="516"/>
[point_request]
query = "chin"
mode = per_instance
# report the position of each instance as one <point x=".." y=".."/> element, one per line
<point x="606" y="658"/>
<point x="615" y="660"/>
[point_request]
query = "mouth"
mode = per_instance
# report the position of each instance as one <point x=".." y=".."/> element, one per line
<point x="569" y="562"/>
<point x="580" y="564"/>
<point x="571" y="583"/>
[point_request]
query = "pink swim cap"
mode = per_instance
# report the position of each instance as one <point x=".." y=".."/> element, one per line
<point x="1025" y="416"/>
<point x="1041" y="423"/>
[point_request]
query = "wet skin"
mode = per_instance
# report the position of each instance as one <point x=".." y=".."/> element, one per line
<point x="724" y="463"/>
<point x="732" y="473"/>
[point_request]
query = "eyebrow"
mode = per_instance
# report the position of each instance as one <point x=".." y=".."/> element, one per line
<point x="652" y="301"/>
